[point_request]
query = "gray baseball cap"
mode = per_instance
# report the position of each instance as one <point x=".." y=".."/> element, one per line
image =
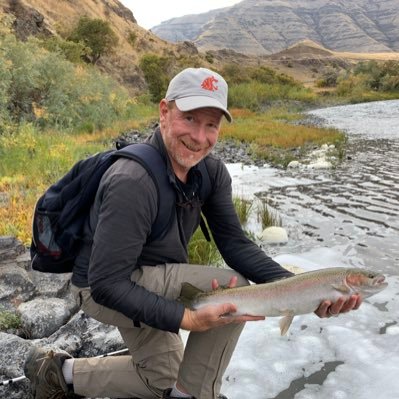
<point x="195" y="88"/>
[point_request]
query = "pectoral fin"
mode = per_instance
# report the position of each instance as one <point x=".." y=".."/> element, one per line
<point x="285" y="322"/>
<point x="342" y="288"/>
<point x="188" y="294"/>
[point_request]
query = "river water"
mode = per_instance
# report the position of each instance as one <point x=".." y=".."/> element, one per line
<point x="348" y="216"/>
<point x="354" y="207"/>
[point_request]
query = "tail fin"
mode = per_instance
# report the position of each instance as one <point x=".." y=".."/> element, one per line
<point x="189" y="294"/>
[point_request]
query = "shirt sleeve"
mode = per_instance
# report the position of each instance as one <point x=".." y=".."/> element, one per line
<point x="127" y="206"/>
<point x="239" y="252"/>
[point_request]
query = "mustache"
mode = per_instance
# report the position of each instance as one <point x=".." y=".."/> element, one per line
<point x="194" y="147"/>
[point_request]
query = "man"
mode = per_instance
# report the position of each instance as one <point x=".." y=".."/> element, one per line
<point x="123" y="280"/>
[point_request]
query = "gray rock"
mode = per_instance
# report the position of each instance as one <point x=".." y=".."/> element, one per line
<point x="15" y="286"/>
<point x="23" y="260"/>
<point x="43" y="316"/>
<point x="50" y="319"/>
<point x="50" y="284"/>
<point x="13" y="351"/>
<point x="10" y="248"/>
<point x="261" y="27"/>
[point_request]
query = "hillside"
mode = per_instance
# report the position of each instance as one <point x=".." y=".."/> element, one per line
<point x="262" y="27"/>
<point x="53" y="17"/>
<point x="305" y="60"/>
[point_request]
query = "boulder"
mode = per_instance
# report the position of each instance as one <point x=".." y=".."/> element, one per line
<point x="43" y="316"/>
<point x="275" y="235"/>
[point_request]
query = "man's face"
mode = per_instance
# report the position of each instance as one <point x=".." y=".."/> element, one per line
<point x="188" y="136"/>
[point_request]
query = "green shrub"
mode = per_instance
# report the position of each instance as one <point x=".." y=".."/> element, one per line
<point x="235" y="74"/>
<point x="97" y="35"/>
<point x="43" y="87"/>
<point x="209" y="57"/>
<point x="72" y="51"/>
<point x="155" y="71"/>
<point x="328" y="79"/>
<point x="5" y="84"/>
<point x="368" y="77"/>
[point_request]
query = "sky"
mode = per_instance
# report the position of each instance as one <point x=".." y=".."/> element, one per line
<point x="149" y="13"/>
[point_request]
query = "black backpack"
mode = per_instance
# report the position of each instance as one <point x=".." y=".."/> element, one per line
<point x="61" y="211"/>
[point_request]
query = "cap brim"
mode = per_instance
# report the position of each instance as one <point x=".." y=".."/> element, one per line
<point x="194" y="102"/>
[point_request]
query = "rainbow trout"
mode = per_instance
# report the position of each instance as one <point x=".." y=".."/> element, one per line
<point x="299" y="294"/>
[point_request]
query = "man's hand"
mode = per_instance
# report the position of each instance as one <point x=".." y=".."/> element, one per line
<point x="342" y="305"/>
<point x="212" y="316"/>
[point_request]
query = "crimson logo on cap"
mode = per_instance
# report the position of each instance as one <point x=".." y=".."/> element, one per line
<point x="209" y="83"/>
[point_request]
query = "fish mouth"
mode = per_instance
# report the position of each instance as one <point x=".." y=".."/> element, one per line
<point x="379" y="281"/>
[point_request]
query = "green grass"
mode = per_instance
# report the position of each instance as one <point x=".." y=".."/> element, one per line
<point x="254" y="95"/>
<point x="202" y="252"/>
<point x="273" y="136"/>
<point x="243" y="208"/>
<point x="268" y="217"/>
<point x="9" y="320"/>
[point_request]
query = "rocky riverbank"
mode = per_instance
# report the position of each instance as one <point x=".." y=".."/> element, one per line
<point x="48" y="316"/>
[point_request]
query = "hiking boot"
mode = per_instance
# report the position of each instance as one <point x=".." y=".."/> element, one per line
<point x="44" y="369"/>
<point x="166" y="395"/>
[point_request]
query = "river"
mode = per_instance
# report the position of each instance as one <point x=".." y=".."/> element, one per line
<point x="347" y="216"/>
<point x="354" y="207"/>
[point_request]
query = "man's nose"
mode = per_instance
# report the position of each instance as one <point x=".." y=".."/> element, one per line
<point x="200" y="134"/>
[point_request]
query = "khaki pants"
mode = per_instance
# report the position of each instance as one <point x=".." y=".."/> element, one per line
<point x="158" y="358"/>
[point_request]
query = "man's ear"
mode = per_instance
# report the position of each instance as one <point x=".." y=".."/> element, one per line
<point x="163" y="110"/>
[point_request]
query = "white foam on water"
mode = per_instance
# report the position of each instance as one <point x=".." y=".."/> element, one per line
<point x="265" y="364"/>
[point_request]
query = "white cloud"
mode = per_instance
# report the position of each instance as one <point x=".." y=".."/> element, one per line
<point x="150" y="12"/>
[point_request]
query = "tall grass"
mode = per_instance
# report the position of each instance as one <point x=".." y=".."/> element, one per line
<point x="267" y="217"/>
<point x="273" y="136"/>
<point x="31" y="160"/>
<point x="202" y="252"/>
<point x="254" y="95"/>
<point x="243" y="208"/>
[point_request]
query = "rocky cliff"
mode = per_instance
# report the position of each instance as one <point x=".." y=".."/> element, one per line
<point x="261" y="27"/>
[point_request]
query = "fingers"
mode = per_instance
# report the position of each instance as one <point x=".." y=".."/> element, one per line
<point x="342" y="305"/>
<point x="212" y="316"/>
<point x="232" y="283"/>
<point x="323" y="309"/>
<point x="215" y="284"/>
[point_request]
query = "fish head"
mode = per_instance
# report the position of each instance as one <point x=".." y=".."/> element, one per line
<point x="365" y="282"/>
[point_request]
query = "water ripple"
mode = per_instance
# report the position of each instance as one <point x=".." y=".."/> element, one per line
<point x="357" y="203"/>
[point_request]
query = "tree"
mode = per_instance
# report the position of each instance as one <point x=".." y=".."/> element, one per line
<point x="97" y="35"/>
<point x="155" y="73"/>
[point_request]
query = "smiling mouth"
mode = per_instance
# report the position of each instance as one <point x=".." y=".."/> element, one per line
<point x="191" y="148"/>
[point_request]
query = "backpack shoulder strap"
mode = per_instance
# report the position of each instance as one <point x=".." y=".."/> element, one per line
<point x="205" y="192"/>
<point x="152" y="160"/>
<point x="206" y="185"/>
